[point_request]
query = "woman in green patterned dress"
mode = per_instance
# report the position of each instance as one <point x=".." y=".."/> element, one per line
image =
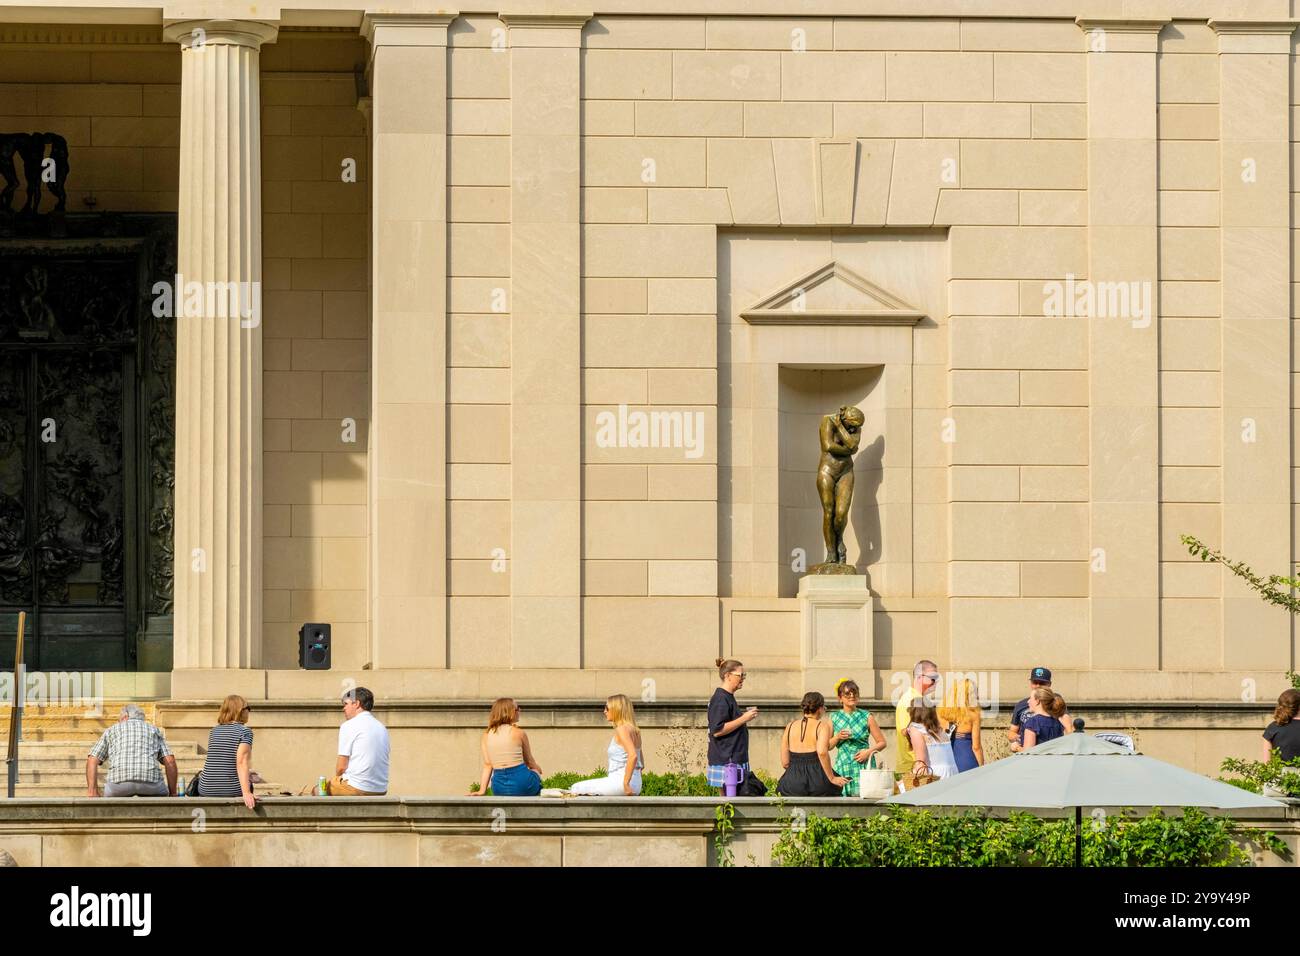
<point x="855" y="737"/>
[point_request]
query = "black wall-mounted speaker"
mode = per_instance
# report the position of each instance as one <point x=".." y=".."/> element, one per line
<point x="314" y="647"/>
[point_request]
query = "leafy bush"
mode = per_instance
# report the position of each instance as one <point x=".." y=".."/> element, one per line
<point x="908" y="837"/>
<point x="652" y="784"/>
<point x="1254" y="775"/>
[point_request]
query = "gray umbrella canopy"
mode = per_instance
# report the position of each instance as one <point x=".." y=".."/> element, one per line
<point x="1078" y="770"/>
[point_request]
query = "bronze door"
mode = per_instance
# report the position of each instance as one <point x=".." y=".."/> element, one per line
<point x="85" y="450"/>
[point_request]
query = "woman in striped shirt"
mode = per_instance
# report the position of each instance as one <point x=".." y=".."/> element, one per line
<point x="226" y="771"/>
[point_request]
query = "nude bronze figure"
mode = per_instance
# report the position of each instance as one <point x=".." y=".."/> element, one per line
<point x="840" y="435"/>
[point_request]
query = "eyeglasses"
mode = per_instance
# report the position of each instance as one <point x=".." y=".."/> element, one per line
<point x="849" y="693"/>
<point x="931" y="677"/>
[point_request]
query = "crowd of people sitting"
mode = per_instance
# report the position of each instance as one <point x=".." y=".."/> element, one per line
<point x="938" y="735"/>
<point x="136" y="750"/>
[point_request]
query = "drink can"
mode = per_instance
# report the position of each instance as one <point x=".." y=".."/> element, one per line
<point x="320" y="787"/>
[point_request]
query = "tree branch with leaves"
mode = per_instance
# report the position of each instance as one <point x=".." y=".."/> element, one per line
<point x="1275" y="589"/>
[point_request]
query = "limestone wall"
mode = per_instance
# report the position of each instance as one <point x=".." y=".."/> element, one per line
<point x="627" y="209"/>
<point x="436" y="745"/>
<point x="316" y="345"/>
<point x="117" y="105"/>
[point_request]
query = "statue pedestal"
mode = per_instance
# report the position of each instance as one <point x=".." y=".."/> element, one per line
<point x="836" y="633"/>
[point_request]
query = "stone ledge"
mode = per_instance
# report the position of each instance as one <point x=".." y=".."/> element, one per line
<point x="695" y="813"/>
<point x="458" y="831"/>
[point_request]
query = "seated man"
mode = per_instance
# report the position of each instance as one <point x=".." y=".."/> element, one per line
<point x="362" y="768"/>
<point x="134" y="749"/>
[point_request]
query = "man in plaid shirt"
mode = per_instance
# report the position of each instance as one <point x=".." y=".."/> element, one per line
<point x="134" y="748"/>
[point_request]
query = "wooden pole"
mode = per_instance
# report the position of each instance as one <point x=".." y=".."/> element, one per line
<point x="16" y="715"/>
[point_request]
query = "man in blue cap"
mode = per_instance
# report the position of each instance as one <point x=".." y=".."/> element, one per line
<point x="1038" y="677"/>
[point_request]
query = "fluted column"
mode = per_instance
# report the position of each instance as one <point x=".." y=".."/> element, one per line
<point x="218" y="527"/>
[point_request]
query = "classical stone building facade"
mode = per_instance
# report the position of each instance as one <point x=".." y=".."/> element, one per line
<point x="552" y="300"/>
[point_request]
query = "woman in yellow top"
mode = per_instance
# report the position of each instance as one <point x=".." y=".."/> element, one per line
<point x="961" y="707"/>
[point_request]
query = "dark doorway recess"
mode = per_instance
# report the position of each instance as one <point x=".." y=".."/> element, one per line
<point x="87" y="426"/>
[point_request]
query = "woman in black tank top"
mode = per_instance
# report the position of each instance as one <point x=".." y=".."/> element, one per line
<point x="806" y="760"/>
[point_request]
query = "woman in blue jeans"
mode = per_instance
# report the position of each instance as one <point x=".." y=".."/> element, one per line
<point x="508" y="764"/>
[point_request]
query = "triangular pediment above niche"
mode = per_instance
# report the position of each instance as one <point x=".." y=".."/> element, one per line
<point x="832" y="295"/>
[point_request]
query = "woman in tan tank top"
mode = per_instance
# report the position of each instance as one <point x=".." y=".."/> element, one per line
<point x="508" y="764"/>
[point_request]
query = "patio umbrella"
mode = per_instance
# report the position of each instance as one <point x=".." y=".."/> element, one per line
<point x="1079" y="770"/>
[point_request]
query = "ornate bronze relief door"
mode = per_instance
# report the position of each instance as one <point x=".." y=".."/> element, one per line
<point x="86" y="432"/>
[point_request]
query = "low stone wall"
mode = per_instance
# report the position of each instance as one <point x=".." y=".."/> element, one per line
<point x="310" y="831"/>
<point x="436" y="743"/>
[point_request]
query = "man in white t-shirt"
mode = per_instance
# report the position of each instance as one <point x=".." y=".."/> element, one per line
<point x="362" y="768"/>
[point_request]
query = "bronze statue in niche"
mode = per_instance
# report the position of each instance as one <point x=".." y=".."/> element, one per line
<point x="840" y="434"/>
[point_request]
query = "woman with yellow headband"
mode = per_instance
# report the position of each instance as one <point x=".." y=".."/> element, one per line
<point x="855" y="736"/>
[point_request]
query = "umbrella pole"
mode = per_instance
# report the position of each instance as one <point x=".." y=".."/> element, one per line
<point x="1078" y="837"/>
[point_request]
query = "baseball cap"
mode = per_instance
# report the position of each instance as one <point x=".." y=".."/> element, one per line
<point x="1042" y="674"/>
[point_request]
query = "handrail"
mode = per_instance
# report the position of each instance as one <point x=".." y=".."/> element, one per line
<point x="16" y="718"/>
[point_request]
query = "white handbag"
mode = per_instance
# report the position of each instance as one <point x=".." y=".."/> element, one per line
<point x="875" y="783"/>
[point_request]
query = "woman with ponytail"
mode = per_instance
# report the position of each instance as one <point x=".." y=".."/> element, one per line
<point x="728" y="726"/>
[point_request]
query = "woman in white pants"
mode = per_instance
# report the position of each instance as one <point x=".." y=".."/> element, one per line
<point x="625" y="763"/>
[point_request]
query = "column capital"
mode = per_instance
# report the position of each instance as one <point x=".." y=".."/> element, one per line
<point x="406" y="29"/>
<point x="249" y="33"/>
<point x="545" y="29"/>
<point x="1131" y="35"/>
<point x="1122" y="24"/>
<point x="1254" y="36"/>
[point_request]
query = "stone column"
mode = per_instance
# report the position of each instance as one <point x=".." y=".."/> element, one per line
<point x="1124" y="358"/>
<point x="545" y="340"/>
<point x="218" y="526"/>
<point x="1255" y="197"/>
<point x="408" y="372"/>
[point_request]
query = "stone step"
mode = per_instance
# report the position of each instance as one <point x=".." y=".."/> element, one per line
<point x="72" y="778"/>
<point x="108" y="710"/>
<point x="50" y="790"/>
<point x="69" y="748"/>
<point x="71" y="724"/>
<point x="77" y="763"/>
<point x="54" y="734"/>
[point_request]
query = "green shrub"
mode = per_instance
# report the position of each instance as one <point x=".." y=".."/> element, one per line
<point x="1254" y="775"/>
<point x="908" y="837"/>
<point x="567" y="778"/>
<point x="652" y="784"/>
